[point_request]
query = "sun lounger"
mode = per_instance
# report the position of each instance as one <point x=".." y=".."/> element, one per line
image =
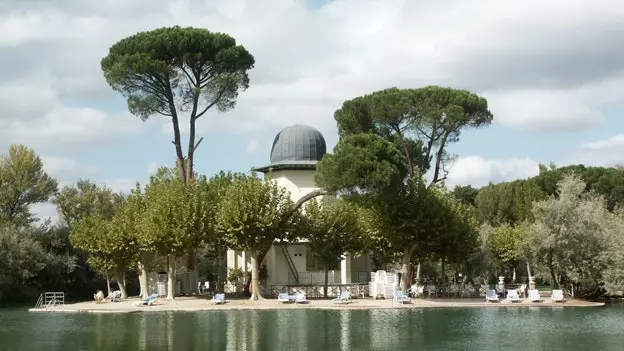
<point x="345" y="297"/>
<point x="301" y="298"/>
<point x="491" y="296"/>
<point x="557" y="296"/>
<point x="401" y="298"/>
<point x="150" y="300"/>
<point x="283" y="297"/>
<point x="534" y="296"/>
<point x="512" y="296"/>
<point x="218" y="299"/>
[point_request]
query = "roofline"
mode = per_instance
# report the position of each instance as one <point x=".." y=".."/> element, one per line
<point x="285" y="167"/>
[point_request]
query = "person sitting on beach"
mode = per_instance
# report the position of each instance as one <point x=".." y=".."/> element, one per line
<point x="99" y="296"/>
<point x="114" y="295"/>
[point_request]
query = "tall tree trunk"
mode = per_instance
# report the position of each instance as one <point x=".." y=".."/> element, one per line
<point x="121" y="282"/>
<point x="108" y="285"/>
<point x="326" y="283"/>
<point x="513" y="274"/>
<point x="551" y="267"/>
<point x="222" y="270"/>
<point x="255" y="276"/>
<point x="418" y="273"/>
<point x="171" y="275"/>
<point x="405" y="266"/>
<point x="143" y="281"/>
<point x="528" y="268"/>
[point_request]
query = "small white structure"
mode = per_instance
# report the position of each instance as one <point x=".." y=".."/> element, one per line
<point x="294" y="154"/>
<point x="382" y="283"/>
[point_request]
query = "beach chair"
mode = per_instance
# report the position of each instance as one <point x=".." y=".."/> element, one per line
<point x="301" y="298"/>
<point x="417" y="290"/>
<point x="557" y="296"/>
<point x="150" y="300"/>
<point x="491" y="296"/>
<point x="401" y="298"/>
<point x="218" y="299"/>
<point x="512" y="296"/>
<point x="345" y="297"/>
<point x="114" y="296"/>
<point x="534" y="296"/>
<point x="284" y="298"/>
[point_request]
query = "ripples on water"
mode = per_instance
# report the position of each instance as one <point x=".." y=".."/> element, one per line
<point x="483" y="329"/>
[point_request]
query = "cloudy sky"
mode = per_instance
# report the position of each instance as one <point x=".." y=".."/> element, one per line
<point x="552" y="72"/>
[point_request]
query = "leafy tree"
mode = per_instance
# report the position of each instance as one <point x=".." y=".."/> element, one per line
<point x="86" y="199"/>
<point x="22" y="262"/>
<point x="255" y="213"/>
<point x="465" y="194"/>
<point x="362" y="162"/>
<point x="172" y="221"/>
<point x="375" y="238"/>
<point x="505" y="243"/>
<point x="212" y="192"/>
<point x="507" y="202"/>
<point x="23" y="182"/>
<point x="420" y="122"/>
<point x="172" y="70"/>
<point x="572" y="237"/>
<point x="333" y="230"/>
<point x="110" y="249"/>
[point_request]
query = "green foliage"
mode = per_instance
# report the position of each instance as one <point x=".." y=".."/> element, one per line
<point x="362" y="163"/>
<point x="508" y="202"/>
<point x="420" y="122"/>
<point x="235" y="274"/>
<point x="251" y="215"/>
<point x="333" y="228"/>
<point x="86" y="199"/>
<point x="23" y="182"/>
<point x="505" y="243"/>
<point x="173" y="67"/>
<point x="465" y="194"/>
<point x="608" y="182"/>
<point x="174" y="216"/>
<point x="573" y="237"/>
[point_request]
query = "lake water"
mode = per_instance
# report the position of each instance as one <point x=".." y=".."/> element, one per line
<point x="483" y="329"/>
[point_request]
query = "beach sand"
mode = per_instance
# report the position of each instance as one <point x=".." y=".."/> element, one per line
<point x="192" y="304"/>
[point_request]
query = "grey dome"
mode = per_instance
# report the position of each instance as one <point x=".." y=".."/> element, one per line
<point x="298" y="143"/>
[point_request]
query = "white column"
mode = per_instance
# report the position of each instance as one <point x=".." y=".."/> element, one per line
<point x="243" y="261"/>
<point x="345" y="270"/>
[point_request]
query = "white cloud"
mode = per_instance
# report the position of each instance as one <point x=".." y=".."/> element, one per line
<point x="44" y="211"/>
<point x="532" y="59"/>
<point x="124" y="185"/>
<point x="63" y="168"/>
<point x="252" y="146"/>
<point x="153" y="167"/>
<point x="607" y="152"/>
<point x="477" y="171"/>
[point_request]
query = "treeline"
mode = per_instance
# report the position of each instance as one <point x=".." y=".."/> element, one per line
<point x="563" y="226"/>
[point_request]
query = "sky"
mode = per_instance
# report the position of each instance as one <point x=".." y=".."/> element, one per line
<point x="551" y="70"/>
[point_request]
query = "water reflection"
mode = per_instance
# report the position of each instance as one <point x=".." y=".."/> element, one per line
<point x="547" y="328"/>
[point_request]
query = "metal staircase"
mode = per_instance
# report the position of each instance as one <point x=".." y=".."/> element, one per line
<point x="50" y="300"/>
<point x="289" y="261"/>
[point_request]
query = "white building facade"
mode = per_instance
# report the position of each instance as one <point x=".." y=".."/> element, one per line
<point x="294" y="155"/>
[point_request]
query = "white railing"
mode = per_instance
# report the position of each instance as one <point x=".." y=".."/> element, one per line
<point x="50" y="300"/>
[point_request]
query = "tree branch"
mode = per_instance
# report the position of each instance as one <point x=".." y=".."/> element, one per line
<point x="305" y="198"/>
<point x="214" y="102"/>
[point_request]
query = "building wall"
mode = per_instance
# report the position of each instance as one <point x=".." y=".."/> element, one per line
<point x="297" y="182"/>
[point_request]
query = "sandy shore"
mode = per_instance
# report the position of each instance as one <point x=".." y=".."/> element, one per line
<point x="191" y="304"/>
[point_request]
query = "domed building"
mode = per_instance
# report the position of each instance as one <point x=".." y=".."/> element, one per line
<point x="293" y="158"/>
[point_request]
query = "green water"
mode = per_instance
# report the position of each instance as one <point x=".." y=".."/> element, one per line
<point x="483" y="329"/>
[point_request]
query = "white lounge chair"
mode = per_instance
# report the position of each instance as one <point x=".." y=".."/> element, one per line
<point x="149" y="301"/>
<point x="534" y="296"/>
<point x="401" y="298"/>
<point x="218" y="299"/>
<point x="417" y="290"/>
<point x="283" y="297"/>
<point x="512" y="296"/>
<point x="491" y="296"/>
<point x="345" y="297"/>
<point x="301" y="298"/>
<point x="557" y="296"/>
